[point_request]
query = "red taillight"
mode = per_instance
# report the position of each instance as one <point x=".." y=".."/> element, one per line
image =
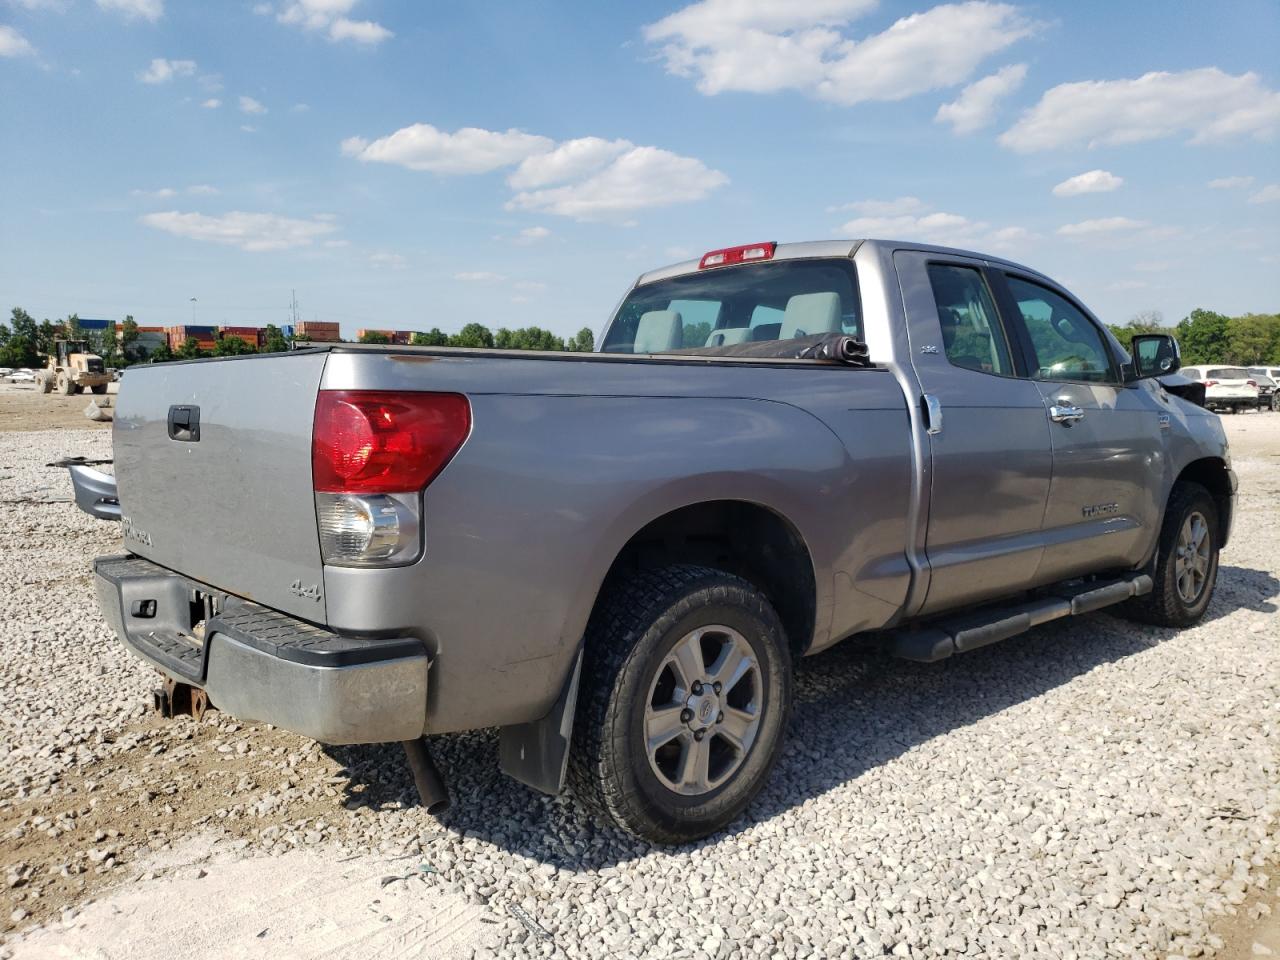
<point x="745" y="254"/>
<point x="370" y="441"/>
<point x="1211" y="383"/>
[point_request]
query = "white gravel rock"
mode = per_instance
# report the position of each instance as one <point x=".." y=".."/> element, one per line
<point x="1092" y="789"/>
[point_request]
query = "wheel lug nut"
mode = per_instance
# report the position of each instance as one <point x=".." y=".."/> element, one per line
<point x="697" y="687"/>
<point x="686" y="715"/>
<point x="716" y="686"/>
<point x="700" y="734"/>
<point x="720" y="717"/>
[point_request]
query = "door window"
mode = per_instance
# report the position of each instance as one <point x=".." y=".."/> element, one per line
<point x="1064" y="342"/>
<point x="971" y="331"/>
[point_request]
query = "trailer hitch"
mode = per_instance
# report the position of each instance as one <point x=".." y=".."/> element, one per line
<point x="174" y="699"/>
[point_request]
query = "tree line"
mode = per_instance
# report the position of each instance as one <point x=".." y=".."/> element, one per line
<point x="1250" y="340"/>
<point x="24" y="342"/>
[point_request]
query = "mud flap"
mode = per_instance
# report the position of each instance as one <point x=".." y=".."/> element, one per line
<point x="537" y="753"/>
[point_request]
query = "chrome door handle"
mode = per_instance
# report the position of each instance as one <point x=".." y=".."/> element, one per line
<point x="1065" y="413"/>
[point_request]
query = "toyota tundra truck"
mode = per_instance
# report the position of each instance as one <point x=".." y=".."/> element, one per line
<point x="615" y="558"/>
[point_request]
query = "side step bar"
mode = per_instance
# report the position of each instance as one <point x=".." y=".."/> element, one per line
<point x="939" y="639"/>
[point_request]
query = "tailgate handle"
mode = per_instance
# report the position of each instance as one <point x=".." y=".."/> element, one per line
<point x="184" y="423"/>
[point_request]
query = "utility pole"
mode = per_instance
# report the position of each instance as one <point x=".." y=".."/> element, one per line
<point x="193" y="311"/>
<point x="293" y="308"/>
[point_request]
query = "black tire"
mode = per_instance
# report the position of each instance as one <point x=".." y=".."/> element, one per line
<point x="99" y="388"/>
<point x="636" y="625"/>
<point x="1165" y="606"/>
<point x="65" y="386"/>
<point x="45" y="384"/>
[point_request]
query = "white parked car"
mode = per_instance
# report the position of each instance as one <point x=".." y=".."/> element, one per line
<point x="1225" y="388"/>
<point x="22" y="376"/>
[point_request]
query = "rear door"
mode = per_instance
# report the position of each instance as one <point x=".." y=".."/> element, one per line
<point x="991" y="460"/>
<point x="213" y="464"/>
<point x="1108" y="443"/>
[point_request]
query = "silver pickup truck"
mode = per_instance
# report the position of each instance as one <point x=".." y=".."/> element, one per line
<point x="616" y="557"/>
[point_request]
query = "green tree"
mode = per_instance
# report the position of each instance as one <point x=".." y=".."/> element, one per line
<point x="472" y="335"/>
<point x="128" y="340"/>
<point x="374" y="336"/>
<point x="190" y="350"/>
<point x="45" y="337"/>
<point x="21" y="345"/>
<point x="1203" y="337"/>
<point x="273" y="341"/>
<point x="231" y="346"/>
<point x="161" y="354"/>
<point x="435" y="337"/>
<point x="583" y="341"/>
<point x="527" y="338"/>
<point x="1252" y="339"/>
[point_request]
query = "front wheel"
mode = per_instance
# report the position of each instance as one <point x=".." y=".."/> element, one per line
<point x="1187" y="563"/>
<point x="685" y="693"/>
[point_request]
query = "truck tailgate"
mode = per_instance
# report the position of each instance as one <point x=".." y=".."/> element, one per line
<point x="229" y="504"/>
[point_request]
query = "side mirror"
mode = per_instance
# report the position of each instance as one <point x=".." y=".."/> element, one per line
<point x="1154" y="355"/>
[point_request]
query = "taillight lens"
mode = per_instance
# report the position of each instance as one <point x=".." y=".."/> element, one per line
<point x="1252" y="383"/>
<point x="372" y="453"/>
<point x="368" y="441"/>
<point x="1211" y="383"/>
<point x="728" y="256"/>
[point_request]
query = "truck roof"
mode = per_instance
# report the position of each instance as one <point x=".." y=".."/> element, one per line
<point x="809" y="249"/>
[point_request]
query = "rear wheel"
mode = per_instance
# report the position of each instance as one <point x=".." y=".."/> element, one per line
<point x="45" y="383"/>
<point x="99" y="388"/>
<point x="1187" y="564"/>
<point x="65" y="386"/>
<point x="685" y="693"/>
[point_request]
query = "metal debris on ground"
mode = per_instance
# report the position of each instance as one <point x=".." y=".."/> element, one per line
<point x="530" y="924"/>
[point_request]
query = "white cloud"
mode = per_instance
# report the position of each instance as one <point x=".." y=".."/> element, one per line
<point x="1094" y="181"/>
<point x="361" y="31"/>
<point x="250" y="105"/>
<point x="1152" y="266"/>
<point x="213" y="103"/>
<point x="162" y="70"/>
<point x="1230" y="183"/>
<point x="1120" y="285"/>
<point x="330" y="17"/>
<point x="164" y="193"/>
<point x="642" y="177"/>
<point x="907" y="218"/>
<point x="151" y="10"/>
<point x="975" y="108"/>
<point x="388" y="261"/>
<point x="1103" y="225"/>
<point x="570" y="160"/>
<point x="470" y="150"/>
<point x="1268" y="194"/>
<point x="589" y="178"/>
<point x="249" y="231"/>
<point x="248" y="128"/>
<point x="202" y="190"/>
<point x="883" y="208"/>
<point x="300" y="107"/>
<point x="58" y="5"/>
<point x="761" y="46"/>
<point x="479" y="276"/>
<point x="532" y="235"/>
<point x="14" y="44"/>
<point x="1207" y="103"/>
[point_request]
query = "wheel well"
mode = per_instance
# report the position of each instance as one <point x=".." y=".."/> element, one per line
<point x="745" y="539"/>
<point x="1211" y="473"/>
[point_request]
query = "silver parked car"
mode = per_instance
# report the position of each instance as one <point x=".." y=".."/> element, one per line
<point x="616" y="557"/>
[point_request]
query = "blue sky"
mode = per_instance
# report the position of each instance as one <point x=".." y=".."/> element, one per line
<point x="414" y="164"/>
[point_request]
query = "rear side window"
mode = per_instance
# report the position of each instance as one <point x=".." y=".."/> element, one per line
<point x="971" y="331"/>
<point x="1228" y="373"/>
<point x="1065" y="343"/>
<point x="778" y="300"/>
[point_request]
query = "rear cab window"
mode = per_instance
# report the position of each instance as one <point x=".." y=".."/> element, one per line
<point x="972" y="335"/>
<point x="776" y="300"/>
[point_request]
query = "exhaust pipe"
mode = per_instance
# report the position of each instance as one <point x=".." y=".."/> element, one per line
<point x="431" y="788"/>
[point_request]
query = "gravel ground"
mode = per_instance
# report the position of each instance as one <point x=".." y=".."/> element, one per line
<point x="1092" y="789"/>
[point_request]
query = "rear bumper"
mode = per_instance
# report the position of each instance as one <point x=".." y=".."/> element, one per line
<point x="259" y="664"/>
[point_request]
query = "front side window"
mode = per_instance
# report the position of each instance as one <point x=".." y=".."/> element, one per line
<point x="971" y="331"/>
<point x="778" y="300"/>
<point x="1065" y="343"/>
